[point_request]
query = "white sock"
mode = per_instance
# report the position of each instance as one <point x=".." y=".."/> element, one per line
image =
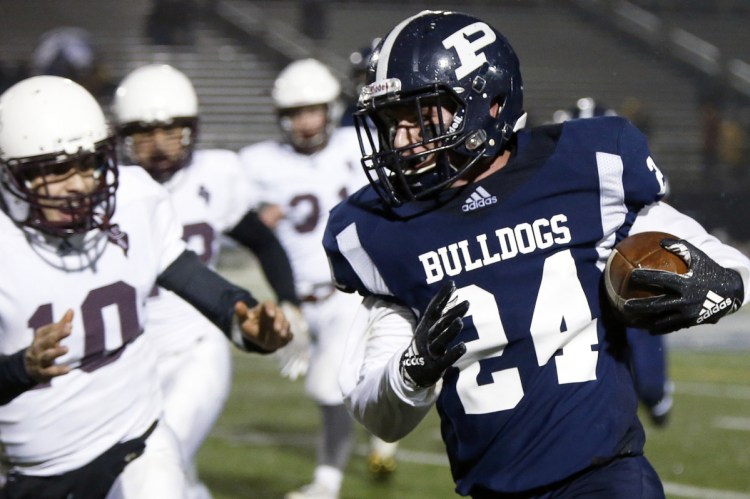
<point x="329" y="476"/>
<point x="382" y="448"/>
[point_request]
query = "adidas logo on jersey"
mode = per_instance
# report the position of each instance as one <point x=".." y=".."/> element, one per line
<point x="713" y="304"/>
<point x="478" y="199"/>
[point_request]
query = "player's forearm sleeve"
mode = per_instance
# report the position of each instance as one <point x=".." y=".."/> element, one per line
<point x="374" y="392"/>
<point x="388" y="408"/>
<point x="210" y="294"/>
<point x="252" y="233"/>
<point x="14" y="380"/>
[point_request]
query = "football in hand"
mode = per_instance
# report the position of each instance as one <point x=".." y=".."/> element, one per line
<point x="639" y="251"/>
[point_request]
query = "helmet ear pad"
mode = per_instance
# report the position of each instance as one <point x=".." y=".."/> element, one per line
<point x="492" y="110"/>
<point x="13" y="200"/>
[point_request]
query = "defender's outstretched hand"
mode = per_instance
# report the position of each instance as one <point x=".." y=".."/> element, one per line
<point x="264" y="325"/>
<point x="428" y="356"/>
<point x="704" y="294"/>
<point x="294" y="359"/>
<point x="39" y="358"/>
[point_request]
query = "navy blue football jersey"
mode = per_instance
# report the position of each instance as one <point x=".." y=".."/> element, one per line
<point x="544" y="389"/>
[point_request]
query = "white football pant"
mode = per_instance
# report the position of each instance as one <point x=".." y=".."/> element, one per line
<point x="158" y="473"/>
<point x="196" y="384"/>
<point x="330" y="321"/>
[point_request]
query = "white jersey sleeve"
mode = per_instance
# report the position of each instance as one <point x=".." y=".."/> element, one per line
<point x="664" y="218"/>
<point x="374" y="391"/>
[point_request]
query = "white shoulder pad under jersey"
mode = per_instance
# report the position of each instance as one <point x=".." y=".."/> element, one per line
<point x="111" y="394"/>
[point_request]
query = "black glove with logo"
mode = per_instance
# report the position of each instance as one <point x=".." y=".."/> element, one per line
<point x="428" y="356"/>
<point x="703" y="295"/>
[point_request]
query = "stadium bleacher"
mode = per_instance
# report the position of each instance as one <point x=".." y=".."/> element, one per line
<point x="564" y="55"/>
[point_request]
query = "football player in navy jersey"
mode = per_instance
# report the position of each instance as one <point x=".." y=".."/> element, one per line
<point x="479" y="249"/>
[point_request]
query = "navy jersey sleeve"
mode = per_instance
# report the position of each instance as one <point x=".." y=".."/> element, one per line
<point x="642" y="179"/>
<point x="629" y="178"/>
<point x="341" y="238"/>
<point x="352" y="241"/>
<point x="14" y="380"/>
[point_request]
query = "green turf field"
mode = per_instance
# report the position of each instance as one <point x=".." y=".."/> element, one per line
<point x="264" y="444"/>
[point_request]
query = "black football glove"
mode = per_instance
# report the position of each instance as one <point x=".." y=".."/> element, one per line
<point x="704" y="294"/>
<point x="428" y="356"/>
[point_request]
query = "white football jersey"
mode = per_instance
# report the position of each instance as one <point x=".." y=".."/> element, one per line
<point x="210" y="196"/>
<point x="112" y="394"/>
<point x="306" y="187"/>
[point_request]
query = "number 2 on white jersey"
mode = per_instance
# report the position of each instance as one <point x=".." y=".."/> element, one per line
<point x="561" y="323"/>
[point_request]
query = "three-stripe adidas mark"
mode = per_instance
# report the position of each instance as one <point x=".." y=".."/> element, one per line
<point x="411" y="357"/>
<point x="478" y="199"/>
<point x="713" y="304"/>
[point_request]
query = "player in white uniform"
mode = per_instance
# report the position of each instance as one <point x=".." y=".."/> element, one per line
<point x="156" y="112"/>
<point x="79" y="398"/>
<point x="298" y="181"/>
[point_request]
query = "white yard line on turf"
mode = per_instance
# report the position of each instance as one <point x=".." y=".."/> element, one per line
<point x="740" y="392"/>
<point x="732" y="423"/>
<point x="679" y="490"/>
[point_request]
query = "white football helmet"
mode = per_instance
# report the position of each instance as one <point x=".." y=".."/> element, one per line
<point x="307" y="82"/>
<point x="157" y="95"/>
<point x="46" y="121"/>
